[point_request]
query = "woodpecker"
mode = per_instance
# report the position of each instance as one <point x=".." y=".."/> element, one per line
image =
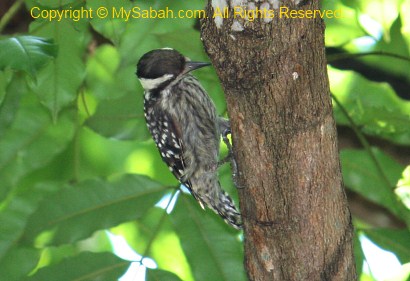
<point x="186" y="129"/>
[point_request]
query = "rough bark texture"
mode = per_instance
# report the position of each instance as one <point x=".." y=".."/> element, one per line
<point x="297" y="225"/>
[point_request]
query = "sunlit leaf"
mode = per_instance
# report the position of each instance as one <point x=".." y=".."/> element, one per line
<point x="384" y="12"/>
<point x="166" y="243"/>
<point x="396" y="45"/>
<point x="343" y="29"/>
<point x="166" y="251"/>
<point x="405" y="21"/>
<point x="403" y="188"/>
<point x="27" y="53"/>
<point x="374" y="107"/>
<point x="102" y="80"/>
<point x="76" y="212"/>
<point x="396" y="241"/>
<point x="205" y="237"/>
<point x="86" y="266"/>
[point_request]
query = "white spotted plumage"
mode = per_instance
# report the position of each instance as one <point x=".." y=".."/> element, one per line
<point x="185" y="127"/>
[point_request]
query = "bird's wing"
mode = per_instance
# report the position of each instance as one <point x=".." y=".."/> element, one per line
<point x="167" y="135"/>
<point x="171" y="146"/>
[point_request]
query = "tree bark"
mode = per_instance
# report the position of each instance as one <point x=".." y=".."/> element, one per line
<point x="297" y="224"/>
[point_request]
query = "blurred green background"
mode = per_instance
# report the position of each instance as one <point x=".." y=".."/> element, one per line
<point x="78" y="170"/>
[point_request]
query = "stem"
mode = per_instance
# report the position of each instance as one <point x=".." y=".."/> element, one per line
<point x="364" y="142"/>
<point x="84" y="102"/>
<point x="159" y="225"/>
<point x="337" y="57"/>
<point x="76" y="149"/>
<point x="10" y="14"/>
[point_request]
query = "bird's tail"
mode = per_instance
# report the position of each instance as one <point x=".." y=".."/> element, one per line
<point x="217" y="200"/>
<point x="227" y="210"/>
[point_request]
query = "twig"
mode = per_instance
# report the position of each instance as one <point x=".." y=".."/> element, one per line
<point x="364" y="143"/>
<point x="10" y="14"/>
<point x="336" y="57"/>
<point x="159" y="225"/>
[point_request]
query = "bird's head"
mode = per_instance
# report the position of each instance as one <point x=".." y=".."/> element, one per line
<point x="160" y="67"/>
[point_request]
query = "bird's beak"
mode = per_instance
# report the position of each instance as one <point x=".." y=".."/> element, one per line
<point x="192" y="65"/>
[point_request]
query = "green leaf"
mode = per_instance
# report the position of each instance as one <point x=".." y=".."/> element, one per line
<point x="5" y="79"/>
<point x="341" y="30"/>
<point x="31" y="142"/>
<point x="134" y="33"/>
<point x="76" y="212"/>
<point x="53" y="3"/>
<point x="384" y="12"/>
<point x="139" y="233"/>
<point x="102" y="79"/>
<point x="204" y="237"/>
<point x="177" y="39"/>
<point x="166" y="249"/>
<point x="59" y="82"/>
<point x="121" y="118"/>
<point x="361" y="175"/>
<point x="396" y="44"/>
<point x="13" y="220"/>
<point x="405" y="21"/>
<point x="113" y="27"/>
<point x="26" y="53"/>
<point x="358" y="254"/>
<point x="396" y="241"/>
<point x="160" y="275"/>
<point x="9" y="107"/>
<point x="396" y="68"/>
<point x="18" y="263"/>
<point x="166" y="242"/>
<point x="374" y="107"/>
<point x="403" y="188"/>
<point x="85" y="267"/>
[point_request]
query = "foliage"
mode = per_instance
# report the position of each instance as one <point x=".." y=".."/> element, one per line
<point x="76" y="159"/>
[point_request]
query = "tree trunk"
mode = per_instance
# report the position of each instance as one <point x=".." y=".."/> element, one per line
<point x="297" y="224"/>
